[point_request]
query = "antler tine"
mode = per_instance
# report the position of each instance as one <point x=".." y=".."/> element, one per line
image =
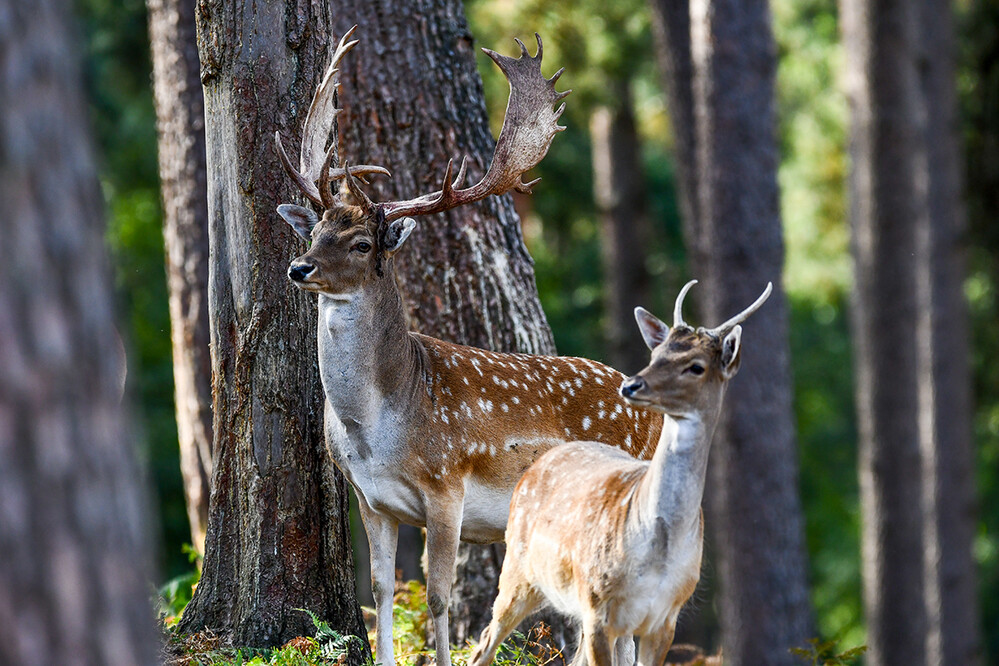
<point x="742" y="316"/>
<point x="459" y="180"/>
<point x="360" y="198"/>
<point x="325" y="190"/>
<point x="678" y="307"/>
<point x="529" y="126"/>
<point x="308" y="188"/>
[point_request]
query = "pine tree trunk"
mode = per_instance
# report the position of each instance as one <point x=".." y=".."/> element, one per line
<point x="619" y="191"/>
<point x="944" y="375"/>
<point x="886" y="146"/>
<point x="278" y="535"/>
<point x="75" y="563"/>
<point x="180" y="118"/>
<point x="758" y="524"/>
<point x="413" y="99"/>
<point x="671" y="28"/>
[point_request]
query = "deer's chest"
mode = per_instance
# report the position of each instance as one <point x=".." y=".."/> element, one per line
<point x="658" y="583"/>
<point x="369" y="454"/>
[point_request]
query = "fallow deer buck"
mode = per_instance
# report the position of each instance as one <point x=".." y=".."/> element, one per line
<point x="431" y="433"/>
<point x="612" y="541"/>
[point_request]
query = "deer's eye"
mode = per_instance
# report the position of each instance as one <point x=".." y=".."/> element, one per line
<point x="363" y="247"/>
<point x="695" y="369"/>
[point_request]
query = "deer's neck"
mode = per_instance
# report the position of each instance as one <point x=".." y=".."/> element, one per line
<point x="367" y="358"/>
<point x="670" y="494"/>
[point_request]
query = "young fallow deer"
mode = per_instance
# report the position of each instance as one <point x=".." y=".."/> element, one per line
<point x="431" y="433"/>
<point x="616" y="542"/>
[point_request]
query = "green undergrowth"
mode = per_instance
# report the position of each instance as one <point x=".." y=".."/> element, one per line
<point x="819" y="653"/>
<point x="329" y="647"/>
<point x="410" y="619"/>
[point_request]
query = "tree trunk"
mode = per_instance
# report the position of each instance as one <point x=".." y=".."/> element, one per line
<point x="180" y="118"/>
<point x="412" y="99"/>
<point x="944" y="376"/>
<point x="886" y="145"/>
<point x="75" y="568"/>
<point x="278" y="535"/>
<point x="619" y="191"/>
<point x="758" y="525"/>
<point x="671" y="28"/>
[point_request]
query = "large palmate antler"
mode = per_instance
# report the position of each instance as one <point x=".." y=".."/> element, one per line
<point x="529" y="126"/>
<point x="319" y="166"/>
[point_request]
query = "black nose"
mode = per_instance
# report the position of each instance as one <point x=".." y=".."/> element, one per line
<point x="298" y="272"/>
<point x="631" y="386"/>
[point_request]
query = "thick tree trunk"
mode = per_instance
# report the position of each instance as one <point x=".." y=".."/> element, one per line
<point x="944" y="376"/>
<point x="413" y="99"/>
<point x="757" y="518"/>
<point x="278" y="535"/>
<point x="74" y="572"/>
<point x="619" y="191"/>
<point x="180" y="119"/>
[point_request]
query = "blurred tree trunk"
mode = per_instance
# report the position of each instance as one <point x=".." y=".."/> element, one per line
<point x="180" y="119"/>
<point x="915" y="467"/>
<point x="738" y="247"/>
<point x="619" y="191"/>
<point x="944" y="376"/>
<point x="75" y="568"/>
<point x="413" y="98"/>
<point x="671" y="28"/>
<point x="278" y="536"/>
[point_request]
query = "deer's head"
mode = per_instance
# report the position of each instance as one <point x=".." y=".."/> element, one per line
<point x="690" y="367"/>
<point x="355" y="236"/>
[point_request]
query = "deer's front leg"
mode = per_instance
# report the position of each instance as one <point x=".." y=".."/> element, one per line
<point x="653" y="647"/>
<point x="624" y="651"/>
<point x="443" y="533"/>
<point x="383" y="536"/>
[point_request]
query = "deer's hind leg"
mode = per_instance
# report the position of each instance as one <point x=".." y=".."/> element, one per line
<point x="516" y="600"/>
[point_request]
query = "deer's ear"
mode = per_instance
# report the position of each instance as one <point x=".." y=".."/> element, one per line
<point x="302" y="220"/>
<point x="397" y="233"/>
<point x="730" y="358"/>
<point x="654" y="331"/>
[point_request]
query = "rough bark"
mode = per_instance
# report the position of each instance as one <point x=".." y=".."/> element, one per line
<point x="886" y="150"/>
<point x="180" y="120"/>
<point x="758" y="524"/>
<point x="944" y="374"/>
<point x="619" y="191"/>
<point x="413" y="99"/>
<point x="75" y="565"/>
<point x="278" y="535"/>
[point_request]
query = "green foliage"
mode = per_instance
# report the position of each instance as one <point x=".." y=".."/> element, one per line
<point x="820" y="653"/>
<point x="978" y="90"/>
<point x="332" y="645"/>
<point x="327" y="648"/>
<point x="174" y="595"/>
<point x="812" y="132"/>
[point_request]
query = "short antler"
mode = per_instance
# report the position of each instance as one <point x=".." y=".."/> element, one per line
<point x="678" y="307"/>
<point x="319" y="166"/>
<point x="529" y="126"/>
